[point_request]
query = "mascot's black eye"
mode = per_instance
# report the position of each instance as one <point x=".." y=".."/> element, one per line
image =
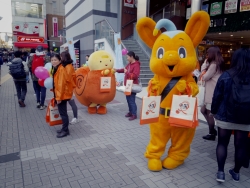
<point x="100" y="61"/>
<point x="160" y="53"/>
<point x="110" y="60"/>
<point x="182" y="52"/>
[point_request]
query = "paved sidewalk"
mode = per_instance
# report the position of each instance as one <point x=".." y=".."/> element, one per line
<point x="101" y="151"/>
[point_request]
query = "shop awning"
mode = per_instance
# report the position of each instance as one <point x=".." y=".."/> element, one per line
<point x="29" y="45"/>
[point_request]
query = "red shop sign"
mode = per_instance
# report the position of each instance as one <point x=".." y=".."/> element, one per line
<point x="30" y="39"/>
<point x="129" y="3"/>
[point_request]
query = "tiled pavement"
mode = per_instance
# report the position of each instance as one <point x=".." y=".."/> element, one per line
<point x="101" y="151"/>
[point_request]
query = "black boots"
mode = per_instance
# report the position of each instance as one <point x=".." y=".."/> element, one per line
<point x="62" y="133"/>
<point x="210" y="136"/>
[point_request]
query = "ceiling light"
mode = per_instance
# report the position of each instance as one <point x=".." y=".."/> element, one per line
<point x="230" y="49"/>
<point x="241" y="37"/>
<point x="230" y="44"/>
<point x="231" y="35"/>
<point x="219" y="33"/>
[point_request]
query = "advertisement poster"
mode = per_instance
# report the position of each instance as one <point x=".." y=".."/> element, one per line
<point x="244" y="5"/>
<point x="71" y="48"/>
<point x="118" y="57"/>
<point x="205" y="7"/>
<point x="25" y="29"/>
<point x="215" y="8"/>
<point x="99" y="46"/>
<point x="230" y="6"/>
<point x="129" y="3"/>
<point x="55" y="26"/>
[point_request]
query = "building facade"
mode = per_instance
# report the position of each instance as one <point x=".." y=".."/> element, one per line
<point x="81" y="17"/>
<point x="29" y="24"/>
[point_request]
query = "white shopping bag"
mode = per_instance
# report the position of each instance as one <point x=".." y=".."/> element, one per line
<point x="128" y="87"/>
<point x="150" y="109"/>
<point x="52" y="116"/>
<point x="184" y="111"/>
<point x="105" y="84"/>
<point x="201" y="95"/>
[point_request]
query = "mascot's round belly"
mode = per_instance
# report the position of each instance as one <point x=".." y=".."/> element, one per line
<point x="88" y="88"/>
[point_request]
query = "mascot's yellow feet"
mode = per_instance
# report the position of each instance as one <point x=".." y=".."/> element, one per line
<point x="170" y="164"/>
<point x="102" y="110"/>
<point x="92" y="110"/>
<point x="154" y="165"/>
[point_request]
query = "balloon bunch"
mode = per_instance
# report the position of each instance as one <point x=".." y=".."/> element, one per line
<point x="45" y="78"/>
<point x="124" y="51"/>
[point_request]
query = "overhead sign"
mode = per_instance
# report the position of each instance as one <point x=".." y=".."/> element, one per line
<point x="231" y="6"/>
<point x="30" y="39"/>
<point x="244" y="5"/>
<point x="129" y="3"/>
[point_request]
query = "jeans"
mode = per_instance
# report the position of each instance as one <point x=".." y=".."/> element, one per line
<point x="74" y="107"/>
<point x="40" y="93"/>
<point x="62" y="107"/>
<point x="131" y="103"/>
<point x="21" y="89"/>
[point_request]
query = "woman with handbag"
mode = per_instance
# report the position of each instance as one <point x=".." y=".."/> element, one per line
<point x="132" y="72"/>
<point x="211" y="71"/>
<point x="62" y="92"/>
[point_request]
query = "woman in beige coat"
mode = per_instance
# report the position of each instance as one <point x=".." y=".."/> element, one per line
<point x="213" y="67"/>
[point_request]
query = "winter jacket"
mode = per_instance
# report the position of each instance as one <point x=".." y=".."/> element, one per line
<point x="17" y="61"/>
<point x="62" y="86"/>
<point x="133" y="72"/>
<point x="210" y="77"/>
<point x="71" y="72"/>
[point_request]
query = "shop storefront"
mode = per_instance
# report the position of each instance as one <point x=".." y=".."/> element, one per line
<point x="26" y="43"/>
<point x="229" y="27"/>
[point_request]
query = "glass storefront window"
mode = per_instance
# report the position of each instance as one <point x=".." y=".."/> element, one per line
<point x="28" y="9"/>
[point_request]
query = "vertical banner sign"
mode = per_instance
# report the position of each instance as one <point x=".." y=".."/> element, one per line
<point x="45" y="29"/>
<point x="129" y="3"/>
<point x="215" y="8"/>
<point x="118" y="56"/>
<point x="71" y="48"/>
<point x="244" y="5"/>
<point x="55" y="26"/>
<point x="231" y="6"/>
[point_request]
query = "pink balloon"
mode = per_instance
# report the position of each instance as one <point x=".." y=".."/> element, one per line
<point x="41" y="73"/>
<point x="124" y="51"/>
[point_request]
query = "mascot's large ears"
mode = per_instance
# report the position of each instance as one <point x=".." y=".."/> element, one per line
<point x="145" y="27"/>
<point x="197" y="26"/>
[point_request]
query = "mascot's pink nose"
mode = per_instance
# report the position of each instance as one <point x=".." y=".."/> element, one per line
<point x="171" y="58"/>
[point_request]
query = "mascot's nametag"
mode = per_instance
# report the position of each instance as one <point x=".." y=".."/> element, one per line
<point x="150" y="109"/>
<point x="128" y="87"/>
<point x="105" y="84"/>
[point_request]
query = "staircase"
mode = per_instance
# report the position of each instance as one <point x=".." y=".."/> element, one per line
<point x="146" y="74"/>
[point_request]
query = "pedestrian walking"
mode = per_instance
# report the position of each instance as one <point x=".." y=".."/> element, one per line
<point x="67" y="63"/>
<point x="132" y="71"/>
<point x="17" y="71"/>
<point x="213" y="68"/>
<point x="32" y="53"/>
<point x="62" y="93"/>
<point x="231" y="109"/>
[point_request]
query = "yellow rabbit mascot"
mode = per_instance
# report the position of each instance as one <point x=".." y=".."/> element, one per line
<point x="173" y="60"/>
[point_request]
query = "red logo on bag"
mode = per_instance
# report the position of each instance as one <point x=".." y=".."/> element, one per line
<point x="105" y="82"/>
<point x="128" y="86"/>
<point x="151" y="107"/>
<point x="184" y="106"/>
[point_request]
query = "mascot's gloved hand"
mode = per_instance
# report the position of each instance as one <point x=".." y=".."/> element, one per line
<point x="181" y="86"/>
<point x="105" y="72"/>
<point x="154" y="87"/>
<point x="113" y="71"/>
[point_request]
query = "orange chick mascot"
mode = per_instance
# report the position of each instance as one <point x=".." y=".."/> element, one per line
<point x="88" y="81"/>
<point x="173" y="56"/>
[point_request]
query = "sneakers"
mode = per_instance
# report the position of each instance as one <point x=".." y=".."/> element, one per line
<point x="38" y="105"/>
<point x="133" y="117"/>
<point x="128" y="114"/>
<point x="209" y="137"/>
<point x="235" y="176"/>
<point x="42" y="107"/>
<point x="220" y="176"/>
<point x="74" y="121"/>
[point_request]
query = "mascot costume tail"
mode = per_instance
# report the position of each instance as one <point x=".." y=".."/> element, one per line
<point x="172" y="61"/>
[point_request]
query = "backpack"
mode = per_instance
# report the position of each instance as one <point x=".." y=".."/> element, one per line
<point x="36" y="62"/>
<point x="238" y="104"/>
<point x="17" y="71"/>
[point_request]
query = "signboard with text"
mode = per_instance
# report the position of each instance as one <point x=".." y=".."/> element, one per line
<point x="215" y="8"/>
<point x="244" y="5"/>
<point x="231" y="6"/>
<point x="129" y="3"/>
<point x="55" y="26"/>
<point x="30" y="39"/>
